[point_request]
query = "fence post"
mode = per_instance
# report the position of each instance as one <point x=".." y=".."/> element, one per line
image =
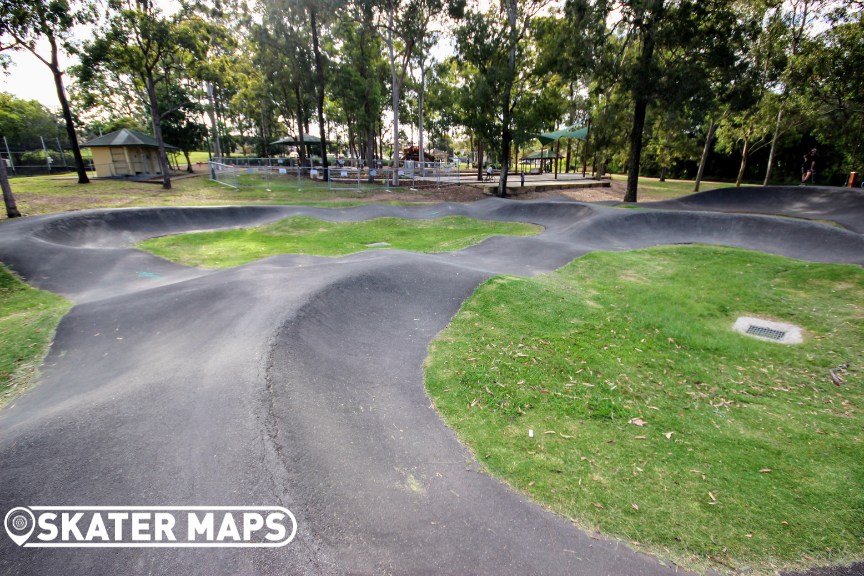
<point x="47" y="157"/>
<point x="11" y="161"/>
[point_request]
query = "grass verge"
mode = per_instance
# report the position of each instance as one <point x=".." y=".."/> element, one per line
<point x="28" y="318"/>
<point x="652" y="420"/>
<point x="653" y="188"/>
<point x="304" y="235"/>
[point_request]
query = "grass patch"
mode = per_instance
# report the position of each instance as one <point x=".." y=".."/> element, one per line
<point x="28" y="318"/>
<point x="304" y="235"/>
<point x="670" y="189"/>
<point x="51" y="194"/>
<point x="749" y="456"/>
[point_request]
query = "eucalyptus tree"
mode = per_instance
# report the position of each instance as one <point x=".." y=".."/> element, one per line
<point x="800" y="17"/>
<point x="283" y="57"/>
<point x="498" y="50"/>
<point x="360" y="77"/>
<point x="405" y="26"/>
<point x="23" y="23"/>
<point x="828" y="74"/>
<point x="314" y="17"/>
<point x="139" y="48"/>
<point x="663" y="51"/>
<point x="748" y="125"/>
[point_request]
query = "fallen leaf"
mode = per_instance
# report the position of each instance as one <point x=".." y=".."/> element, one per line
<point x="668" y="435"/>
<point x="635" y="506"/>
<point x="640" y="437"/>
<point x="637" y="422"/>
<point x="550" y="432"/>
<point x="764" y="470"/>
<point x="713" y="498"/>
<point x="748" y="535"/>
<point x="565" y="436"/>
<point x="598" y="505"/>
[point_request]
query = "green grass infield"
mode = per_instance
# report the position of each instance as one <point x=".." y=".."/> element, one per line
<point x="614" y="392"/>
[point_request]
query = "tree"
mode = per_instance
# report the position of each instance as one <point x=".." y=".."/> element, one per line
<point x="138" y="43"/>
<point x="500" y="68"/>
<point x="663" y="50"/>
<point x="26" y="21"/>
<point x="25" y="120"/>
<point x="359" y="78"/>
<point x="405" y="25"/>
<point x="8" y="197"/>
<point x="178" y="122"/>
<point x="829" y="78"/>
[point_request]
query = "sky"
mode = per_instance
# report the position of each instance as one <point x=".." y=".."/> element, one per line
<point x="30" y="79"/>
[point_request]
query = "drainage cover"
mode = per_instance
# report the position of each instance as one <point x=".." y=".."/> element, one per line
<point x="769" y="330"/>
<point x="766" y="332"/>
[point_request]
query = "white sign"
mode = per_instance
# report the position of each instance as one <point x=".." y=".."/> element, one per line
<point x="313" y="172"/>
<point x="343" y="173"/>
<point x="283" y="170"/>
<point x="150" y="526"/>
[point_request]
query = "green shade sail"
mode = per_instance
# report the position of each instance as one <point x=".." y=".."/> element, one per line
<point x="572" y="132"/>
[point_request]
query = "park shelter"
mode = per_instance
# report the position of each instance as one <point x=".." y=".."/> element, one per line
<point x="555" y="137"/>
<point x="125" y="153"/>
<point x="311" y="143"/>
<point x="543" y="157"/>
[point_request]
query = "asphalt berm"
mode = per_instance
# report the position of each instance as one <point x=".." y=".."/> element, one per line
<point x="297" y="381"/>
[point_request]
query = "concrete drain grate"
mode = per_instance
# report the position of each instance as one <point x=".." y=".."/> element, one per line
<point x="769" y="330"/>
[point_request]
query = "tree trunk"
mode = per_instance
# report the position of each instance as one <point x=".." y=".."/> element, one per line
<point x="217" y="145"/>
<point x="8" y="198"/>
<point x="569" y="150"/>
<point x="157" y="131"/>
<point x="663" y="173"/>
<point x="773" y="148"/>
<point x="585" y="150"/>
<point x="641" y="96"/>
<point x="67" y="114"/>
<point x="745" y="153"/>
<point x="712" y="129"/>
<point x="557" y="154"/>
<point x="507" y="135"/>
<point x="188" y="161"/>
<point x="422" y="156"/>
<point x="635" y="149"/>
<point x="300" y="120"/>
<point x="479" y="160"/>
<point x="396" y="87"/>
<point x="319" y="74"/>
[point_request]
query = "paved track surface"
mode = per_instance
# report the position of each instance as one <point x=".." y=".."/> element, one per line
<point x="297" y="381"/>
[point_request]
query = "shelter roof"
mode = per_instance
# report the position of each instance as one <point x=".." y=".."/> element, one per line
<point x="125" y="137"/>
<point x="571" y="132"/>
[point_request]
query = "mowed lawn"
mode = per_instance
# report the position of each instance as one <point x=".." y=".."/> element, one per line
<point x="28" y="318"/>
<point x="615" y="392"/>
<point x="304" y="235"/>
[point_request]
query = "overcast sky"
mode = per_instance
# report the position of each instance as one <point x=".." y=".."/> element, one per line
<point x="30" y="79"/>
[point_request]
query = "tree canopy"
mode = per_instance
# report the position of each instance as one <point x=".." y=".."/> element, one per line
<point x="671" y="88"/>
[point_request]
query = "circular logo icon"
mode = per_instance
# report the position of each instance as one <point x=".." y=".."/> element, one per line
<point x="19" y="523"/>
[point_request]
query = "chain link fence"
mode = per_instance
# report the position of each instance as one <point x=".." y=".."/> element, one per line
<point x="48" y="155"/>
<point x="276" y="173"/>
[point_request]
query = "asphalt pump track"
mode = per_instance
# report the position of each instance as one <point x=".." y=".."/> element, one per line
<point x="297" y="381"/>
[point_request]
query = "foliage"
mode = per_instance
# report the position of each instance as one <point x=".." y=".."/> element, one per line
<point x="24" y="121"/>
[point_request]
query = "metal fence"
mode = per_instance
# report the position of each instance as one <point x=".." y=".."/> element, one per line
<point x="277" y="173"/>
<point x="45" y="156"/>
